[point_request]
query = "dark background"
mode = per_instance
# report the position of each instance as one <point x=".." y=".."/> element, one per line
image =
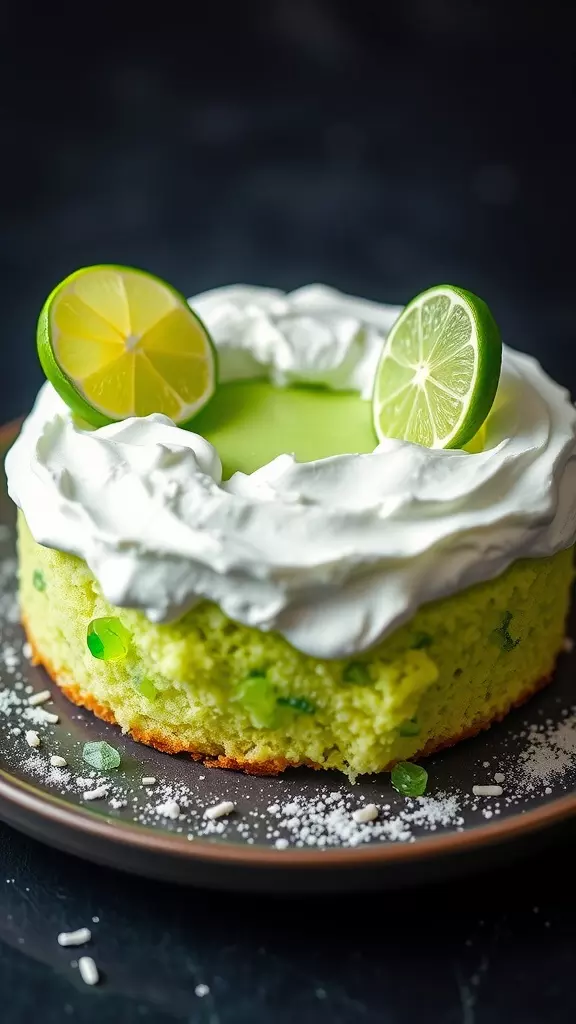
<point x="376" y="148"/>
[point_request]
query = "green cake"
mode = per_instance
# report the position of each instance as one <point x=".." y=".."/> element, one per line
<point x="244" y="699"/>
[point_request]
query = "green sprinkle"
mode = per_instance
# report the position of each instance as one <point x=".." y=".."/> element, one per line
<point x="409" y="727"/>
<point x="146" y="688"/>
<point x="258" y="697"/>
<point x="502" y="634"/>
<point x="420" y="641"/>
<point x="297" y="704"/>
<point x="38" y="580"/>
<point x="108" y="639"/>
<point x="101" y="755"/>
<point x="409" y="779"/>
<point x="356" y="672"/>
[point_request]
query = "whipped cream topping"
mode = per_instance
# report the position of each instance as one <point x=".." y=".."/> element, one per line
<point x="333" y="554"/>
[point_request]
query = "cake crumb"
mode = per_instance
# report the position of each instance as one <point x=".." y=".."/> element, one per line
<point x="487" y="790"/>
<point x="88" y="970"/>
<point x="57" y="761"/>
<point x="32" y="738"/>
<point x="219" y="810"/>
<point x="499" y="777"/>
<point x="365" y="814"/>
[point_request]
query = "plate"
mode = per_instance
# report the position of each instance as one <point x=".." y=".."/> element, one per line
<point x="293" y="833"/>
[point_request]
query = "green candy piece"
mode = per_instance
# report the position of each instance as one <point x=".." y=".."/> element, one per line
<point x="409" y="779"/>
<point x="38" y="580"/>
<point x="258" y="697"/>
<point x="101" y="755"/>
<point x="356" y="672"/>
<point x="108" y="639"/>
<point x="297" y="704"/>
<point x="409" y="727"/>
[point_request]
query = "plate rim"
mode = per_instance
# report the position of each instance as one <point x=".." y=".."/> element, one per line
<point x="120" y="834"/>
<point x="54" y="810"/>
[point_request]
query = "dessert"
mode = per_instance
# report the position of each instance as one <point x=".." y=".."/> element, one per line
<point x="213" y="592"/>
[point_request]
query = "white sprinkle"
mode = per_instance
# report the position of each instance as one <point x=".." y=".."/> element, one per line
<point x="364" y="814"/>
<point x="27" y="650"/>
<point x="201" y="991"/>
<point x="47" y="716"/>
<point x="78" y="938"/>
<point x="499" y="777"/>
<point x="219" y="810"/>
<point x="548" y="790"/>
<point x="281" y="844"/>
<point x="487" y="790"/>
<point x="95" y="794"/>
<point x="58" y="762"/>
<point x="39" y="698"/>
<point x="485" y="764"/>
<point x="169" y="810"/>
<point x="568" y="644"/>
<point x="32" y="738"/>
<point x="148" y="780"/>
<point x="96" y="919"/>
<point x="88" y="970"/>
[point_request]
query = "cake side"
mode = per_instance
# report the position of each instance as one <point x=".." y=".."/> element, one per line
<point x="246" y="699"/>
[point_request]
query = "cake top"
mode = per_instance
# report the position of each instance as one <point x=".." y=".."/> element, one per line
<point x="334" y="553"/>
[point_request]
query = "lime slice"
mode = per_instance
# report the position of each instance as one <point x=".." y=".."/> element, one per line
<point x="117" y="342"/>
<point x="439" y="370"/>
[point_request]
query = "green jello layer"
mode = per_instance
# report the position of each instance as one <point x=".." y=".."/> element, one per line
<point x="251" y="422"/>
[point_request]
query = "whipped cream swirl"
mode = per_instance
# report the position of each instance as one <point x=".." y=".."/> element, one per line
<point x="333" y="554"/>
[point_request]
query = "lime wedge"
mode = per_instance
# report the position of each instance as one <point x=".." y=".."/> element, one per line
<point x="117" y="342"/>
<point x="439" y="370"/>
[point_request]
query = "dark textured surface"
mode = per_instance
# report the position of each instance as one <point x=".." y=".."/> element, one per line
<point x="308" y="142"/>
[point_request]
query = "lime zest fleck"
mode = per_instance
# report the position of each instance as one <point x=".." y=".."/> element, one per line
<point x="101" y="755"/>
<point x="38" y="580"/>
<point x="356" y="672"/>
<point x="409" y="727"/>
<point x="297" y="704"/>
<point x="421" y="640"/>
<point x="502" y="634"/>
<point x="409" y="779"/>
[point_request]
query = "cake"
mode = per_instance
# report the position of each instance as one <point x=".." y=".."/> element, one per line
<point x="251" y="593"/>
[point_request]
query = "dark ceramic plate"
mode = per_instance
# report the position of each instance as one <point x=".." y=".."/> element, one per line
<point x="292" y="833"/>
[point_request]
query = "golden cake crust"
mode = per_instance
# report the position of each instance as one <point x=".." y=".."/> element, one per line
<point x="267" y="768"/>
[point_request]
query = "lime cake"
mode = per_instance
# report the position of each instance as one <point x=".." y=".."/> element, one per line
<point x="273" y="586"/>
